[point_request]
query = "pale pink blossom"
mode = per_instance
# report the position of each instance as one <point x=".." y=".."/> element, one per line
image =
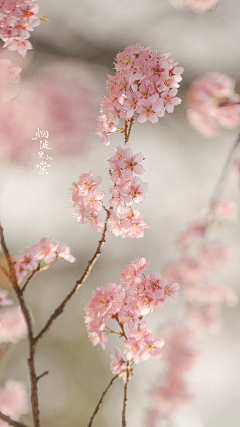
<point x="4" y="301"/>
<point x="117" y="364"/>
<point x="195" y="5"/>
<point x="14" y="401"/>
<point x="212" y="102"/>
<point x="63" y="251"/>
<point x="13" y="326"/>
<point x="224" y="210"/>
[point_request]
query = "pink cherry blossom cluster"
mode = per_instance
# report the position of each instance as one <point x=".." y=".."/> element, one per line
<point x="145" y="83"/>
<point x="195" y="5"/>
<point x="45" y="252"/>
<point x="127" y="189"/>
<point x="171" y="390"/>
<point x="17" y="19"/>
<point x="136" y="295"/>
<point x="14" y="401"/>
<point x="212" y="102"/>
<point x="86" y="201"/>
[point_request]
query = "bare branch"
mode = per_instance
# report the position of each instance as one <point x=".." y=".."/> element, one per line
<point x="222" y="179"/>
<point x="101" y="399"/>
<point x="31" y="341"/>
<point x="29" y="278"/>
<point x="42" y="375"/>
<point x="79" y="282"/>
<point x="125" y="397"/>
<point x="10" y="421"/>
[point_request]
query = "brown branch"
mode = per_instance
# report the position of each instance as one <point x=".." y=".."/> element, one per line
<point x="29" y="278"/>
<point x="79" y="282"/>
<point x="10" y="421"/>
<point x="222" y="178"/>
<point x="121" y="326"/>
<point x="127" y="135"/>
<point x="42" y="375"/>
<point x="125" y="398"/>
<point x="31" y="341"/>
<point x="101" y="399"/>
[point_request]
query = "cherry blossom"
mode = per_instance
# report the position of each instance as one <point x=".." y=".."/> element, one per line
<point x="195" y="5"/>
<point x="14" y="401"/>
<point x="87" y="202"/>
<point x="13" y="326"/>
<point x="4" y="301"/>
<point x="46" y="251"/>
<point x="127" y="303"/>
<point x="212" y="102"/>
<point x="142" y="76"/>
<point x="17" y="19"/>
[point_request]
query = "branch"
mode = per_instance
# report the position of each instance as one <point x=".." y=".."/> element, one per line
<point x="78" y="284"/>
<point x="42" y="375"/>
<point x="10" y="421"/>
<point x="125" y="398"/>
<point x="31" y="341"/>
<point x="100" y="401"/>
<point x="29" y="278"/>
<point x="127" y="134"/>
<point x="221" y="181"/>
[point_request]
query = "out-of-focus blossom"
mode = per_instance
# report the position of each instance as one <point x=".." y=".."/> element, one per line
<point x="13" y="326"/>
<point x="4" y="301"/>
<point x="61" y="99"/>
<point x="212" y="102"/>
<point x="14" y="401"/>
<point x="195" y="5"/>
<point x="179" y="355"/>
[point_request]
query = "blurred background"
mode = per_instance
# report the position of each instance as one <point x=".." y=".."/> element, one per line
<point x="62" y="83"/>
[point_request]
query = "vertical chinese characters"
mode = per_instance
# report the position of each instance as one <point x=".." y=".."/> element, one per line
<point x="42" y="136"/>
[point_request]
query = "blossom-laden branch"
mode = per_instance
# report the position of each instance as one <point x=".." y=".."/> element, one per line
<point x="31" y="340"/>
<point x="78" y="284"/>
<point x="10" y="421"/>
<point x="101" y="399"/>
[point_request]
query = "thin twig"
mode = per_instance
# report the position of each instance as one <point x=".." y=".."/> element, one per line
<point x="130" y="128"/>
<point x="121" y="326"/>
<point x="31" y="341"/>
<point x="101" y="399"/>
<point x="125" y="397"/>
<point x="222" y="178"/>
<point x="10" y="421"/>
<point x="29" y="278"/>
<point x="78" y="284"/>
<point x="42" y="375"/>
